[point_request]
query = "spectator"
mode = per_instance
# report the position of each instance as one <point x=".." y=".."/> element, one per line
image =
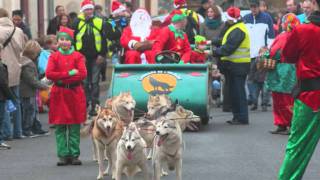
<point x="53" y="26"/>
<point x="265" y="8"/>
<point x="261" y="32"/>
<point x="5" y="93"/>
<point x="213" y="24"/>
<point x="293" y="6"/>
<point x="91" y="42"/>
<point x="235" y="59"/>
<point x="73" y="16"/>
<point x="307" y="10"/>
<point x="64" y="21"/>
<point x="282" y="80"/>
<point x="11" y="52"/>
<point x="29" y="84"/>
<point x="205" y="4"/>
<point x="99" y="11"/>
<point x="17" y="19"/>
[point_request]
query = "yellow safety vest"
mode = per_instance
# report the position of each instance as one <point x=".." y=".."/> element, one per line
<point x="242" y="54"/>
<point x="82" y="27"/>
<point x="187" y="12"/>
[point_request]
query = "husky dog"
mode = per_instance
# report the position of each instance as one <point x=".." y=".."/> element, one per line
<point x="167" y="148"/>
<point x="161" y="106"/>
<point x="131" y="157"/>
<point x="106" y="132"/>
<point x="123" y="105"/>
<point x="147" y="130"/>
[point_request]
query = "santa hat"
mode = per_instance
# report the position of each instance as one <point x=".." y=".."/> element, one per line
<point x="117" y="7"/>
<point x="86" y="4"/>
<point x="233" y="14"/>
<point x="65" y="32"/>
<point x="179" y="3"/>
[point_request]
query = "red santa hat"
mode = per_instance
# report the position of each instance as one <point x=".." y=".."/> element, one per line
<point x="233" y="14"/>
<point x="179" y="3"/>
<point x="117" y="7"/>
<point x="86" y="4"/>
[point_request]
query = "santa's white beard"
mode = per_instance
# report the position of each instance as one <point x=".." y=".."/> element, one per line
<point x="142" y="30"/>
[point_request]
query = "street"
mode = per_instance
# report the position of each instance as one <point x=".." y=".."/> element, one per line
<point x="219" y="151"/>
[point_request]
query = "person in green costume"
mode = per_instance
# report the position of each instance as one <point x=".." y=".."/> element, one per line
<point x="66" y="68"/>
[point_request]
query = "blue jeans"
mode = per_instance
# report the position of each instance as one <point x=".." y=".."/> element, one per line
<point x="2" y="112"/>
<point x="239" y="98"/>
<point x="91" y="83"/>
<point x="16" y="118"/>
<point x="258" y="87"/>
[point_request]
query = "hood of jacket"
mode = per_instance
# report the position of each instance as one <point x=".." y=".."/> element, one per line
<point x="6" y="28"/>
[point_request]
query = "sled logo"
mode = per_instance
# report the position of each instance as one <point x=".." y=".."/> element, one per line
<point x="159" y="83"/>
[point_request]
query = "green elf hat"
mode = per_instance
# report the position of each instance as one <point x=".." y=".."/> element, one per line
<point x="178" y="17"/>
<point x="66" y="33"/>
<point x="200" y="40"/>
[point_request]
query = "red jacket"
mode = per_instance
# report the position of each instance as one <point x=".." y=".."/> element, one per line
<point x="198" y="57"/>
<point x="167" y="41"/>
<point x="127" y="36"/>
<point x="302" y="48"/>
<point x="67" y="106"/>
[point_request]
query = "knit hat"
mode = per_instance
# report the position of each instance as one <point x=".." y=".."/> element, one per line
<point x="200" y="40"/>
<point x="290" y="21"/>
<point x="254" y="3"/>
<point x="233" y="14"/>
<point x="86" y="4"/>
<point x="65" y="32"/>
<point x="178" y="18"/>
<point x="117" y="7"/>
<point x="179" y="3"/>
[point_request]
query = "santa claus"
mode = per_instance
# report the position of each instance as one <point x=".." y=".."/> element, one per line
<point x="138" y="39"/>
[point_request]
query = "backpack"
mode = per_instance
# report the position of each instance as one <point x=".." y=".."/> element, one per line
<point x="192" y="28"/>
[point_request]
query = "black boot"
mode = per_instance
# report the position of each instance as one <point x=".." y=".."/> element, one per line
<point x="280" y="130"/>
<point x="62" y="162"/>
<point x="75" y="161"/>
<point x="254" y="107"/>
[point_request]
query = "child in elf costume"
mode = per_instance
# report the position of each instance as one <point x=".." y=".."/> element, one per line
<point x="66" y="68"/>
<point x="173" y="38"/>
<point x="199" y="54"/>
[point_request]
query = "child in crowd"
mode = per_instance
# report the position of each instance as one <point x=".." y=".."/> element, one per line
<point x="29" y="84"/>
<point x="200" y="52"/>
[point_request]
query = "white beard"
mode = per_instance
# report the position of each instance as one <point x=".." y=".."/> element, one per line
<point x="140" y="24"/>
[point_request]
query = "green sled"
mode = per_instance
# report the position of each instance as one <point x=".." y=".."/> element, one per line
<point x="187" y="83"/>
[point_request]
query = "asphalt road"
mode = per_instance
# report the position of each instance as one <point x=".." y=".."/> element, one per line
<point x="218" y="152"/>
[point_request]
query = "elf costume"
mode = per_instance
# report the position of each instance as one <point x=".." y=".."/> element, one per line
<point x="173" y="39"/>
<point x="66" y="68"/>
<point x="302" y="49"/>
<point x="282" y="79"/>
<point x="198" y="55"/>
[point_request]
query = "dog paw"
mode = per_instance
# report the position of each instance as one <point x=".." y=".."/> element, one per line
<point x="149" y="157"/>
<point x="106" y="173"/>
<point x="100" y="177"/>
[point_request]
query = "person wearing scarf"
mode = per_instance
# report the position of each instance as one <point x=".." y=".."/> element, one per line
<point x="212" y="25"/>
<point x="302" y="49"/>
<point x="173" y="38"/>
<point x="282" y="79"/>
<point x="67" y="69"/>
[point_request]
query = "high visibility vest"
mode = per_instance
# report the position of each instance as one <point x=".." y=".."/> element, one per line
<point x="242" y="54"/>
<point x="82" y="27"/>
<point x="187" y="12"/>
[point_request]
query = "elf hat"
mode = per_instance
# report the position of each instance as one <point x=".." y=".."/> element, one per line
<point x="117" y="7"/>
<point x="86" y="4"/>
<point x="66" y="33"/>
<point x="179" y="3"/>
<point x="200" y="40"/>
<point x="233" y="14"/>
<point x="178" y="17"/>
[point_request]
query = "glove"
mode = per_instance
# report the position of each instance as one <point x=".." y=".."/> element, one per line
<point x="72" y="72"/>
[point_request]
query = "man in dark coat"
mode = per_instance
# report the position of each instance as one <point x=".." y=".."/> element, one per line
<point x="54" y="22"/>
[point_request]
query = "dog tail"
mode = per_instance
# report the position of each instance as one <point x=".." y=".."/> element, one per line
<point x="86" y="129"/>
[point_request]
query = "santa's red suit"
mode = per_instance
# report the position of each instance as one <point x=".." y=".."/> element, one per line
<point x="139" y="30"/>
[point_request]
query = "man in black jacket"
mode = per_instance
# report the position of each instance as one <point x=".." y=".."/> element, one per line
<point x="54" y="22"/>
<point x="17" y="19"/>
<point x="5" y="93"/>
